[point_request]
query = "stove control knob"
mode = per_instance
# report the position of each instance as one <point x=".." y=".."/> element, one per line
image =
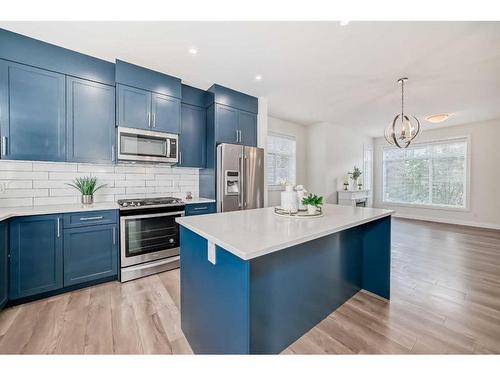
<point x="138" y="204"/>
<point x="171" y="240"/>
<point x="124" y="204"/>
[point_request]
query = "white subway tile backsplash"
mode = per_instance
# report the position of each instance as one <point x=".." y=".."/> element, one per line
<point x="42" y="183"/>
<point x="22" y="193"/>
<point x="21" y="175"/>
<point x="66" y="175"/>
<point x="130" y="183"/>
<point x="6" y="165"/>
<point x="55" y="167"/>
<point x="19" y="184"/>
<point x="16" y="202"/>
<point x="96" y="168"/>
<point x="55" y="200"/>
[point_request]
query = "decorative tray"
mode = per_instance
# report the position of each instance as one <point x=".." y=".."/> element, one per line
<point x="301" y="214"/>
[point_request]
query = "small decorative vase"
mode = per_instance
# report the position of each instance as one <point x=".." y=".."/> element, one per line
<point x="311" y="210"/>
<point x="87" y="199"/>
<point x="354" y="184"/>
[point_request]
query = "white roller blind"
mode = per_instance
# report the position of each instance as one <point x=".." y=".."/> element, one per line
<point x="281" y="160"/>
<point x="427" y="174"/>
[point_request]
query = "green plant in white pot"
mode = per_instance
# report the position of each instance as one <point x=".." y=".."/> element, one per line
<point x="87" y="186"/>
<point x="313" y="202"/>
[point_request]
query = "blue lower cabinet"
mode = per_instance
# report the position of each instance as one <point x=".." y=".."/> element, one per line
<point x="200" y="209"/>
<point x="90" y="253"/>
<point x="90" y="121"/>
<point x="4" y="263"/>
<point x="36" y="255"/>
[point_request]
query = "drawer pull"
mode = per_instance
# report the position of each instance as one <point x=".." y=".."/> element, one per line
<point x="200" y="208"/>
<point x="91" y="218"/>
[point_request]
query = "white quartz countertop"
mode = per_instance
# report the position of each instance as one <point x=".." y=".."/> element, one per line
<point x="6" y="213"/>
<point x="253" y="233"/>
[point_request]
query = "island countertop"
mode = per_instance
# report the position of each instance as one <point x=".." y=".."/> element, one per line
<point x="252" y="233"/>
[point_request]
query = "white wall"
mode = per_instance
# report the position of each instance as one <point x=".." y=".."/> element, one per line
<point x="484" y="176"/>
<point x="26" y="183"/>
<point x="276" y="125"/>
<point x="332" y="151"/>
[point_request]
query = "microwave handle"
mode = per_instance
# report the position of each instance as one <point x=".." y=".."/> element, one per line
<point x="168" y="147"/>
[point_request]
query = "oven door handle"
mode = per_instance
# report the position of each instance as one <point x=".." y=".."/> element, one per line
<point x="146" y="216"/>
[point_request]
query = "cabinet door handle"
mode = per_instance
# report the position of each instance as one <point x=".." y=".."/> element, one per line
<point x="149" y="119"/>
<point x="154" y="120"/>
<point x="180" y="157"/>
<point x="114" y="235"/>
<point x="200" y="208"/>
<point x="236" y="135"/>
<point x="58" y="227"/>
<point x="4" y="146"/>
<point x="91" y="218"/>
<point x="112" y="153"/>
<point x="240" y="135"/>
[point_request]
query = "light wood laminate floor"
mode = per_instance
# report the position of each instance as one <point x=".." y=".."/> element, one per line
<point x="445" y="299"/>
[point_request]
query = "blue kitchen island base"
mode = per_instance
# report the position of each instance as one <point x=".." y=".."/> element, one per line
<point x="262" y="305"/>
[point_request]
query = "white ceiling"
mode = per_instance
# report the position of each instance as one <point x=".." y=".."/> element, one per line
<point x="312" y="71"/>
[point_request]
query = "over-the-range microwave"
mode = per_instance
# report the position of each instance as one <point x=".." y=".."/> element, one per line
<point x="147" y="146"/>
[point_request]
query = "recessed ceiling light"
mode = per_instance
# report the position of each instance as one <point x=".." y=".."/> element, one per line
<point x="193" y="51"/>
<point x="344" y="22"/>
<point x="258" y="78"/>
<point x="437" y="118"/>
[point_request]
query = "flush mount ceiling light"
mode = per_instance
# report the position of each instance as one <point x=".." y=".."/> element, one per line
<point x="193" y="51"/>
<point x="404" y="128"/>
<point x="344" y="22"/>
<point x="258" y="78"/>
<point x="437" y="118"/>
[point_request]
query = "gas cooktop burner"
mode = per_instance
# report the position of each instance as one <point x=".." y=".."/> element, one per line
<point x="163" y="201"/>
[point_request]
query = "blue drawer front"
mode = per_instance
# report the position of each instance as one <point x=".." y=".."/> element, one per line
<point x="81" y="219"/>
<point x="200" y="209"/>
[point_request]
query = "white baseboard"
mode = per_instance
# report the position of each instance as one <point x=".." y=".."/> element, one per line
<point x="450" y="221"/>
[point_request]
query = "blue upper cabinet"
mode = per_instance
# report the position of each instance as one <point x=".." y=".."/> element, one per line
<point x="4" y="263"/>
<point x="33" y="52"/>
<point x="133" y="107"/>
<point x="247" y="126"/>
<point x="192" y="137"/>
<point x="235" y="114"/>
<point x="33" y="113"/>
<point x="36" y="255"/>
<point x="166" y="112"/>
<point x="147" y="99"/>
<point x="226" y="124"/>
<point x="90" y="121"/>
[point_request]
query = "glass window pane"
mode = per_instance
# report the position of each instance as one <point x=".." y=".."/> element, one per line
<point x="427" y="174"/>
<point x="281" y="159"/>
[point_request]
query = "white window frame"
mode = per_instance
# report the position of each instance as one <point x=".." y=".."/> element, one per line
<point x="291" y="137"/>
<point x="466" y="208"/>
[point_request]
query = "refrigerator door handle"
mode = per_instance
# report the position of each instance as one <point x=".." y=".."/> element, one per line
<point x="242" y="182"/>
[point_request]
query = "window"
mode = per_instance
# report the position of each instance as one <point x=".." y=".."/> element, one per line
<point x="280" y="162"/>
<point x="430" y="174"/>
<point x="368" y="167"/>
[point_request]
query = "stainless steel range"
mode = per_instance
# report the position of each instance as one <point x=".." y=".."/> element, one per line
<point x="149" y="236"/>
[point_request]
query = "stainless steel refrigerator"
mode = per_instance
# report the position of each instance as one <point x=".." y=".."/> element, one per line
<point x="240" y="177"/>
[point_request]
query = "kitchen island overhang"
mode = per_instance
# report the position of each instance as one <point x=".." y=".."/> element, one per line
<point x="253" y="283"/>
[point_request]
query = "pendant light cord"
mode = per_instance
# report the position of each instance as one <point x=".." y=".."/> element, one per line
<point x="402" y="98"/>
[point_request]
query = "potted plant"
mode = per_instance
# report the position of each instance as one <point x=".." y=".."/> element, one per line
<point x="87" y="186"/>
<point x="313" y="202"/>
<point x="355" y="174"/>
